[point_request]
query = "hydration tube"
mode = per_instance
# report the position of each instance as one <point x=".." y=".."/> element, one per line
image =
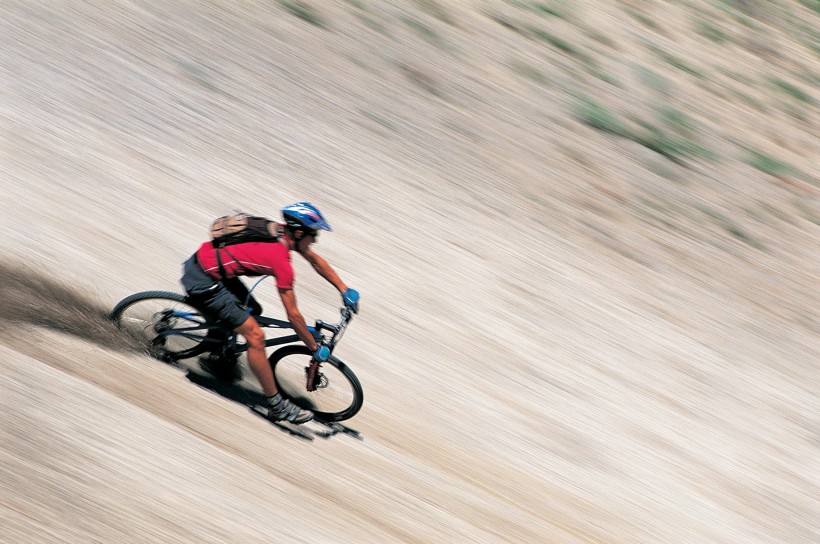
<point x="250" y="291"/>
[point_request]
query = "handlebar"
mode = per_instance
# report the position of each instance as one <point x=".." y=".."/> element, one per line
<point x="336" y="330"/>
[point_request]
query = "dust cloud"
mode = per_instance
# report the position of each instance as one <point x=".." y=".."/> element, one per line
<point x="33" y="299"/>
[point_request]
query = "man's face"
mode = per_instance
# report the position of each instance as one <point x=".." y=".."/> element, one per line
<point x="308" y="238"/>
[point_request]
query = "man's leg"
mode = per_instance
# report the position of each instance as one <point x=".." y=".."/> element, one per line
<point x="257" y="360"/>
<point x="277" y="408"/>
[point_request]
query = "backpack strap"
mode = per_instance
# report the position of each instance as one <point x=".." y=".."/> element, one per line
<point x="219" y="264"/>
<point x="222" y="274"/>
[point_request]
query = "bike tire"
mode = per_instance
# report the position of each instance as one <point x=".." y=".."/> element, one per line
<point x="144" y="316"/>
<point x="339" y="399"/>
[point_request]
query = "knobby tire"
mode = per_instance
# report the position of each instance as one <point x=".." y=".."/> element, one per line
<point x="141" y="315"/>
<point x="342" y="397"/>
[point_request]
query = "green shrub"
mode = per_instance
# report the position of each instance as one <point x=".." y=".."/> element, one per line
<point x="304" y="11"/>
<point x="768" y="164"/>
<point x="676" y="146"/>
<point x="792" y="90"/>
<point x="711" y="32"/>
<point x="556" y="42"/>
<point x="812" y="4"/>
<point x="597" y="116"/>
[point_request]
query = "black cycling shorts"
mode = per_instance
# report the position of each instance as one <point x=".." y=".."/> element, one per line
<point x="213" y="296"/>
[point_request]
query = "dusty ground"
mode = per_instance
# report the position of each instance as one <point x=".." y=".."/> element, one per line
<point x="586" y="235"/>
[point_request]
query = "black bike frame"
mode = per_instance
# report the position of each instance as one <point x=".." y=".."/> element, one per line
<point x="228" y="338"/>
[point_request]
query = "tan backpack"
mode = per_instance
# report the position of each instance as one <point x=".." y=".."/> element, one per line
<point x="241" y="227"/>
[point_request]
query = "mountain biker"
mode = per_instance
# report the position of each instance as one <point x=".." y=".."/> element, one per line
<point x="212" y="281"/>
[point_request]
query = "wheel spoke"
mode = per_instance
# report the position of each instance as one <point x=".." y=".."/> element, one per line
<point x="163" y="322"/>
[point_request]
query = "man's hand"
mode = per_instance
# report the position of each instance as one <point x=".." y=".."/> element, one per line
<point x="321" y="354"/>
<point x="351" y="300"/>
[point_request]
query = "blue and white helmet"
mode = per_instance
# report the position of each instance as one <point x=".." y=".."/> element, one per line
<point x="304" y="215"/>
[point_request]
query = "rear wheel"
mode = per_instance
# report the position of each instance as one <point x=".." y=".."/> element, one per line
<point x="338" y="395"/>
<point x="168" y="325"/>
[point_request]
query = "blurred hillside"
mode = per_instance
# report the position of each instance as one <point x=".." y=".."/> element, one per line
<point x="586" y="235"/>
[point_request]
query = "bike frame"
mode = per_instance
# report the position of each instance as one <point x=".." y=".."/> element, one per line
<point x="228" y="339"/>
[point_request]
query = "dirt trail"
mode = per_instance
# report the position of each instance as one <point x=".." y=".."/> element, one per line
<point x="585" y="234"/>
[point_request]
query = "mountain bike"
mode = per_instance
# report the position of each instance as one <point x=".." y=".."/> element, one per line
<point x="173" y="327"/>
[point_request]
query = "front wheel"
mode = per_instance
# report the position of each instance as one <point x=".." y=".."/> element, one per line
<point x="338" y="395"/>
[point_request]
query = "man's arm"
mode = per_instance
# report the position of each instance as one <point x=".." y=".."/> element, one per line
<point x="324" y="269"/>
<point x="296" y="319"/>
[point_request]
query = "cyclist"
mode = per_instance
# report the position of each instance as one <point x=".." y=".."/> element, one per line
<point x="212" y="280"/>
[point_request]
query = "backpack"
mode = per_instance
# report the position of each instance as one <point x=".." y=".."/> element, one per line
<point x="241" y="227"/>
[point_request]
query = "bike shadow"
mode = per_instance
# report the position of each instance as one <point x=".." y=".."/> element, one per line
<point x="252" y="399"/>
<point x="235" y="392"/>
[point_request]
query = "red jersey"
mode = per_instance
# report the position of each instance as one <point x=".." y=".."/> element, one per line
<point x="249" y="259"/>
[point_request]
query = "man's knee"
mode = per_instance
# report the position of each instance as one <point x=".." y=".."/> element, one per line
<point x="252" y="332"/>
